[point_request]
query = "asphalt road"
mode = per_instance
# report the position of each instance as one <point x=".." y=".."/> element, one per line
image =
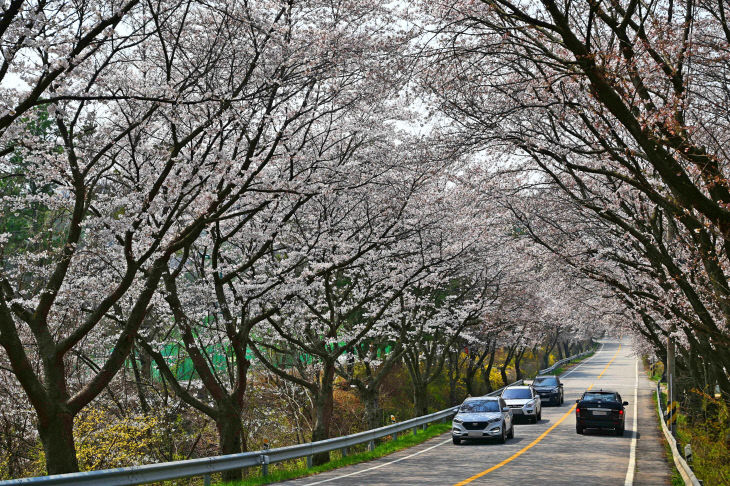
<point x="547" y="452"/>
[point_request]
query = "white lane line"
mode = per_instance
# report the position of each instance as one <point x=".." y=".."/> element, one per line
<point x="634" y="432"/>
<point x="380" y="465"/>
<point x="583" y="362"/>
<point x="432" y="447"/>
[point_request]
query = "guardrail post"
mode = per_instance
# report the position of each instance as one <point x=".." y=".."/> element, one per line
<point x="343" y="451"/>
<point x="206" y="480"/>
<point x="309" y="461"/>
<point x="423" y="427"/>
<point x="264" y="461"/>
<point x="415" y="430"/>
<point x="395" y="435"/>
<point x="371" y="445"/>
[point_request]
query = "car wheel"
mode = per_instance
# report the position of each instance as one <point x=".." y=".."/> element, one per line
<point x="620" y="431"/>
<point x="539" y="416"/>
<point x="502" y="437"/>
<point x="579" y="429"/>
<point x="562" y="399"/>
<point x="511" y="434"/>
<point x="456" y="440"/>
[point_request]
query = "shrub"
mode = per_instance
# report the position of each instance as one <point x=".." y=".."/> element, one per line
<point x="104" y="441"/>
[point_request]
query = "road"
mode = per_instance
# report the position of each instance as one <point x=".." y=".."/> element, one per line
<point x="549" y="451"/>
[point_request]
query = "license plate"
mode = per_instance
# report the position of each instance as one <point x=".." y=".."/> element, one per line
<point x="599" y="413"/>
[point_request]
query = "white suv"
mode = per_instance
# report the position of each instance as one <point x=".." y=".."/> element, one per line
<point x="482" y="418"/>
<point x="524" y="401"/>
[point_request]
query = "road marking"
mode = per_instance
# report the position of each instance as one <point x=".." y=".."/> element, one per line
<point x="536" y="441"/>
<point x="609" y="363"/>
<point x="582" y="362"/>
<point x="518" y="453"/>
<point x="380" y="465"/>
<point x="634" y="432"/>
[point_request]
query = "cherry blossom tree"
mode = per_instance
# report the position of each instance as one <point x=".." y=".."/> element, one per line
<point x="367" y="245"/>
<point x="244" y="267"/>
<point x="615" y="102"/>
<point x="168" y="144"/>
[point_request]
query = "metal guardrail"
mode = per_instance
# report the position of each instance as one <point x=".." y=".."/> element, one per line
<point x="150" y="473"/>
<point x="206" y="466"/>
<point x="688" y="476"/>
<point x="558" y="364"/>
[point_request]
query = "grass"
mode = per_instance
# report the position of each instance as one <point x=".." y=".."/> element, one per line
<point x="299" y="469"/>
<point x="711" y="456"/>
<point x="709" y="447"/>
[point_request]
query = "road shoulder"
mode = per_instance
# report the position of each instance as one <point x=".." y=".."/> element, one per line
<point x="351" y="473"/>
<point x="652" y="468"/>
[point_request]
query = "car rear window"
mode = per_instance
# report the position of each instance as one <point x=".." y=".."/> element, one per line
<point x="479" y="406"/>
<point x="545" y="381"/>
<point x="596" y="397"/>
<point x="512" y="393"/>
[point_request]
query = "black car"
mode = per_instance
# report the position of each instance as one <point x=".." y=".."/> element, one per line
<point x="600" y="410"/>
<point x="549" y="388"/>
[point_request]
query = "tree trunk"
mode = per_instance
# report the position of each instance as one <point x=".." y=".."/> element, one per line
<point x="518" y="358"/>
<point x="487" y="373"/>
<point x="474" y="365"/>
<point x="471" y="372"/>
<point x="323" y="404"/>
<point x="566" y="346"/>
<point x="453" y="376"/>
<point x="139" y="384"/>
<point x="420" y="399"/>
<point x="546" y="356"/>
<point x="56" y="434"/>
<point x="371" y="400"/>
<point x="503" y="372"/>
<point x="230" y="429"/>
<point x="503" y="368"/>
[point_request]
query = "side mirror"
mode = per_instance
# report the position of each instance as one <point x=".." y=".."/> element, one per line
<point x="560" y="385"/>
<point x="625" y="403"/>
<point x="505" y="409"/>
<point x="577" y="401"/>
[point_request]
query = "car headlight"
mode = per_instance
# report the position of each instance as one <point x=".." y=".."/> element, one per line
<point x="494" y="420"/>
<point x="457" y="420"/>
<point x="530" y="404"/>
<point x="556" y="389"/>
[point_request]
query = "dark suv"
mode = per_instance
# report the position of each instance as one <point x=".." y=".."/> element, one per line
<point x="600" y="410"/>
<point x="549" y="388"/>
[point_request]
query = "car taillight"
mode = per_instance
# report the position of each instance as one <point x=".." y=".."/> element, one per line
<point x="620" y="412"/>
<point x="577" y="411"/>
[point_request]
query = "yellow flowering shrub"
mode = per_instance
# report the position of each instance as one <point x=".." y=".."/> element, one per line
<point x="104" y="441"/>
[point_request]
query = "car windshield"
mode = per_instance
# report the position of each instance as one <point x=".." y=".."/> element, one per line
<point x="511" y="393"/>
<point x="479" y="406"/>
<point x="545" y="381"/>
<point x="608" y="397"/>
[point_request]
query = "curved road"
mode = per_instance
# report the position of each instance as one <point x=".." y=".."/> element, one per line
<point x="549" y="451"/>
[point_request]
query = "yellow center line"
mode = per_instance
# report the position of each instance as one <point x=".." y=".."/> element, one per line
<point x="518" y="453"/>
<point x="609" y="363"/>
<point x="536" y="441"/>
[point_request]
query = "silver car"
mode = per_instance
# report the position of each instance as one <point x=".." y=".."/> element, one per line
<point x="482" y="418"/>
<point x="524" y="402"/>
